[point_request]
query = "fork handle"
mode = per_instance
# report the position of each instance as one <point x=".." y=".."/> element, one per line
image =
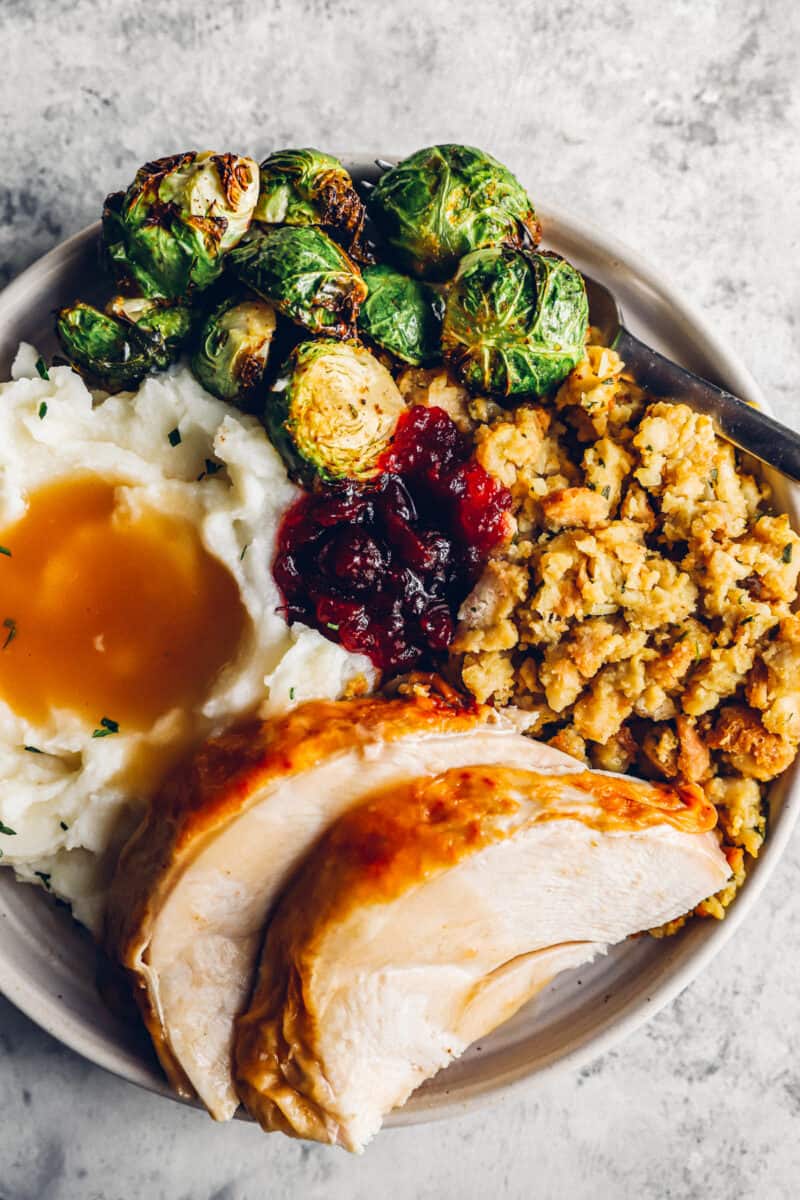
<point x="748" y="428"/>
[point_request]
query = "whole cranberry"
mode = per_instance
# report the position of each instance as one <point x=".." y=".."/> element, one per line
<point x="437" y="625"/>
<point x="353" y="559"/>
<point x="438" y="553"/>
<point x="396" y="500"/>
<point x="287" y="572"/>
<point x="345" y="501"/>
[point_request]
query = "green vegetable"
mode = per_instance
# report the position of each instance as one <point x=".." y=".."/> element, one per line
<point x="307" y="187"/>
<point x="402" y="315"/>
<point x="107" y="726"/>
<point x="169" y="232"/>
<point x="233" y="346"/>
<point x="11" y="625"/>
<point x="514" y="323"/>
<point x="174" y="437"/>
<point x="41" y="369"/>
<point x="332" y="411"/>
<point x="7" y="830"/>
<point x="305" y="275"/>
<point x="117" y="348"/>
<point x="443" y="202"/>
<point x="210" y="468"/>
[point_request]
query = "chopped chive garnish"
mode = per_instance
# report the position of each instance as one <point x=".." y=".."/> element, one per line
<point x="41" y="367"/>
<point x="787" y="553"/>
<point x="211" y="468"/>
<point x="63" y="825"/>
<point x="43" y="410"/>
<point x="606" y="492"/>
<point x="45" y="878"/>
<point x="11" y="625"/>
<point x="291" y="693"/>
<point x="5" y="550"/>
<point x="331" y="625"/>
<point x="245" y="548"/>
<point x="33" y="749"/>
<point x="107" y="726"/>
<point x="7" y="830"/>
<point x="174" y="436"/>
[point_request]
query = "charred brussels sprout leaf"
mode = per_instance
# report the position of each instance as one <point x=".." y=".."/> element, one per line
<point x="117" y="348"/>
<point x="233" y="347"/>
<point x="307" y="187"/>
<point x="332" y="411"/>
<point x="402" y="315"/>
<point x="171" y="322"/>
<point x="305" y="275"/>
<point x="170" y="231"/>
<point x="443" y="202"/>
<point x="514" y="323"/>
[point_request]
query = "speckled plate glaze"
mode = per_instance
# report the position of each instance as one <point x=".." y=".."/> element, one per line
<point x="47" y="963"/>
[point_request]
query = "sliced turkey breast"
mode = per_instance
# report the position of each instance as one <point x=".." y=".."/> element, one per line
<point x="195" y="884"/>
<point x="431" y="912"/>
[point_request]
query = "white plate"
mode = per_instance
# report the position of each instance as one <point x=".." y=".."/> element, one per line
<point x="47" y="962"/>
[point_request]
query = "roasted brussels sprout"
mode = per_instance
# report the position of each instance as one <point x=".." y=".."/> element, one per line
<point x="117" y="348"/>
<point x="307" y="187"/>
<point x="514" y="323"/>
<point x="170" y="231"/>
<point x="443" y="202"/>
<point x="332" y="411"/>
<point x="305" y="275"/>
<point x="402" y="315"/>
<point x="233" y="347"/>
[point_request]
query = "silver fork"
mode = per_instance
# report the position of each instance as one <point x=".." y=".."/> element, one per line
<point x="738" y="422"/>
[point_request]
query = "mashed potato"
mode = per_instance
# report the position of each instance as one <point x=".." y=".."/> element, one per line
<point x="71" y="789"/>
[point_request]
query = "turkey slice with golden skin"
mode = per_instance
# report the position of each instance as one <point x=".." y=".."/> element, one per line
<point x="195" y="884"/>
<point x="430" y="913"/>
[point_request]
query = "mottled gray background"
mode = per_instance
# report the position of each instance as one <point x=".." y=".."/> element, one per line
<point x="674" y="124"/>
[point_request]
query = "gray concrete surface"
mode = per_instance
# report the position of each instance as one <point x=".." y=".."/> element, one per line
<point x="676" y="125"/>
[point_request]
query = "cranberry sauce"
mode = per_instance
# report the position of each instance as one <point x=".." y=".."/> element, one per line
<point x="382" y="567"/>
